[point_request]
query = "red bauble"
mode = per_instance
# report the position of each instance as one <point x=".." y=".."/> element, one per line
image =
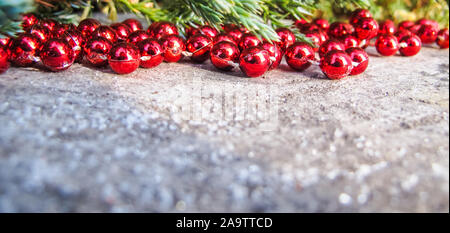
<point x="359" y="13"/>
<point x="122" y="31"/>
<point x="162" y="29"/>
<point x="223" y="54"/>
<point x="387" y="27"/>
<point x="308" y="27"/>
<point x="56" y="55"/>
<point x="402" y="33"/>
<point x="29" y="20"/>
<point x="428" y="34"/>
<point x="275" y="54"/>
<point x="5" y="41"/>
<point x="151" y="53"/>
<point x="299" y="56"/>
<point x="61" y="28"/>
<point x="88" y="26"/>
<point x="224" y="37"/>
<point x="286" y="38"/>
<point x="76" y="41"/>
<point x="336" y="64"/>
<point x="338" y="30"/>
<point x="410" y="45"/>
<point x="124" y="58"/>
<point x="24" y="50"/>
<point x="137" y="36"/>
<point x="208" y="31"/>
<point x="415" y="28"/>
<point x="229" y="27"/>
<point x="405" y="25"/>
<point x="4" y="64"/>
<point x="173" y="47"/>
<point x="236" y="34"/>
<point x="249" y="40"/>
<point x="96" y="51"/>
<point x="432" y="23"/>
<point x="199" y="45"/>
<point x="366" y="28"/>
<point x="442" y="38"/>
<point x="350" y="41"/>
<point x="50" y="24"/>
<point x="106" y="32"/>
<point x="387" y="45"/>
<point x="254" y="61"/>
<point x="315" y="39"/>
<point x="40" y="31"/>
<point x="322" y="24"/>
<point x="330" y="45"/>
<point x="300" y="22"/>
<point x="360" y="60"/>
<point x="133" y="24"/>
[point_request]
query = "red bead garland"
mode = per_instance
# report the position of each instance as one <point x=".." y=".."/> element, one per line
<point x="224" y="54"/>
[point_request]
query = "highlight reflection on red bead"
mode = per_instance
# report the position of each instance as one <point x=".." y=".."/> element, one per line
<point x="173" y="47"/>
<point x="96" y="51"/>
<point x="360" y="60"/>
<point x="88" y="26"/>
<point x="249" y="40"/>
<point x="199" y="45"/>
<point x="410" y="45"/>
<point x="133" y="24"/>
<point x="106" y="32"/>
<point x="57" y="55"/>
<point x="151" y="53"/>
<point x="254" y="61"/>
<point x="359" y="13"/>
<point x="428" y="34"/>
<point x="122" y="31"/>
<point x="287" y="38"/>
<point x="224" y="53"/>
<point x="387" y="27"/>
<point x="29" y="20"/>
<point x="442" y="38"/>
<point x="330" y="45"/>
<point x="161" y="29"/>
<point x="224" y="37"/>
<point x="4" y="64"/>
<point x="338" y="30"/>
<point x="76" y="41"/>
<point x="24" y="50"/>
<point x="366" y="28"/>
<point x="40" y="31"/>
<point x="387" y="45"/>
<point x="336" y="64"/>
<point x="137" y="36"/>
<point x="299" y="56"/>
<point x="275" y="54"/>
<point x="124" y="58"/>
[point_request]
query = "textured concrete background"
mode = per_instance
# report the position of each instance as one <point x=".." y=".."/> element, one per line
<point x="90" y="140"/>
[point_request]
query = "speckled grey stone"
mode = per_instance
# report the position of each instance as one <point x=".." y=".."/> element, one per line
<point x="88" y="140"/>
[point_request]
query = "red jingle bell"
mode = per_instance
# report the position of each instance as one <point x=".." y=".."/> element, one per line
<point x="350" y="41"/>
<point x="224" y="54"/>
<point x="122" y="31"/>
<point x="442" y="38"/>
<point x="254" y="61"/>
<point x="40" y="31"/>
<point x="124" y="58"/>
<point x="360" y="60"/>
<point x="24" y="49"/>
<point x="76" y="41"/>
<point x="224" y="37"/>
<point x="299" y="56"/>
<point x="275" y="54"/>
<point x="151" y="53"/>
<point x="387" y="45"/>
<point x="199" y="45"/>
<point x="87" y="27"/>
<point x="50" y="24"/>
<point x="387" y="27"/>
<point x="322" y="24"/>
<point x="162" y="29"/>
<point x="236" y="34"/>
<point x="96" y="51"/>
<point x="366" y="28"/>
<point x="410" y="45"/>
<point x="133" y="24"/>
<point x="4" y="64"/>
<point x="359" y="13"/>
<point x="338" y="30"/>
<point x="336" y="64"/>
<point x="56" y="55"/>
<point x="249" y="40"/>
<point x="29" y="20"/>
<point x="173" y="47"/>
<point x="106" y="32"/>
<point x="405" y="25"/>
<point x="330" y="45"/>
<point x="428" y="34"/>
<point x="286" y="38"/>
<point x="208" y="31"/>
<point x="137" y="36"/>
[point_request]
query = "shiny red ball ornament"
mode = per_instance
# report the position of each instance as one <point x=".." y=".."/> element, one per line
<point x="387" y="45"/>
<point x="24" y="50"/>
<point x="106" y="32"/>
<point x="97" y="50"/>
<point x="429" y="22"/>
<point x="208" y="31"/>
<point x="286" y="38"/>
<point x="387" y="27"/>
<point x="322" y="24"/>
<point x="224" y="37"/>
<point x="124" y="58"/>
<point x="29" y="20"/>
<point x="329" y="45"/>
<point x="366" y="28"/>
<point x="308" y="27"/>
<point x="4" y="64"/>
<point x="405" y="25"/>
<point x="442" y="38"/>
<point x="236" y="34"/>
<point x="173" y="47"/>
<point x="133" y="24"/>
<point x="88" y="26"/>
<point x="415" y="28"/>
<point x="402" y="33"/>
<point x="229" y="27"/>
<point x="336" y="64"/>
<point x="300" y="22"/>
<point x="224" y="54"/>
<point x="151" y="53"/>
<point x="5" y="41"/>
<point x="50" y="24"/>
<point x="122" y="31"/>
<point x="338" y="30"/>
<point x="428" y="34"/>
<point x="56" y="55"/>
<point x="360" y="60"/>
<point x="275" y="54"/>
<point x="76" y="41"/>
<point x="137" y="36"/>
<point x="199" y="45"/>
<point x="249" y="40"/>
<point x="40" y="31"/>
<point x="410" y="45"/>
<point x="299" y="56"/>
<point x="315" y="39"/>
<point x="359" y="13"/>
<point x="162" y="29"/>
<point x="350" y="41"/>
<point x="254" y="61"/>
<point x="61" y="28"/>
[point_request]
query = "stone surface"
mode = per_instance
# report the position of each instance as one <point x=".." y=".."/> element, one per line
<point x="185" y="137"/>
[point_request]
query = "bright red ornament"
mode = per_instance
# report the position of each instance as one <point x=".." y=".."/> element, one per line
<point x="162" y="29"/>
<point x="387" y="45"/>
<point x="50" y="24"/>
<point x="254" y="61"/>
<point x="122" y="31"/>
<point x="96" y="51"/>
<point x="61" y="28"/>
<point x="329" y="45"/>
<point x="299" y="56"/>
<point x="350" y="41"/>
<point x="207" y="31"/>
<point x="309" y="27"/>
<point x="338" y="30"/>
<point x="4" y="64"/>
<point x="173" y="47"/>
<point x="56" y="55"/>
<point x="236" y="34"/>
<point x="442" y="38"/>
<point x="29" y="20"/>
<point x="410" y="45"/>
<point x="322" y="24"/>
<point x="428" y="34"/>
<point x="359" y="13"/>
<point x="151" y="53"/>
<point x="366" y="28"/>
<point x="229" y="27"/>
<point x="224" y="54"/>
<point x="415" y="28"/>
<point x="360" y="60"/>
<point x="336" y="64"/>
<point x="88" y="26"/>
<point x="286" y="38"/>
<point x="133" y="24"/>
<point x="5" y="41"/>
<point x="124" y="58"/>
<point x="76" y="41"/>
<point x="106" y="32"/>
<point x="300" y="22"/>
<point x="199" y="45"/>
<point x="315" y="39"/>
<point x="387" y="27"/>
<point x="249" y="40"/>
<point x="40" y="31"/>
<point x="275" y="54"/>
<point x="429" y="22"/>
<point x="402" y="33"/>
<point x="24" y="50"/>
<point x="405" y="25"/>
<point x="137" y="36"/>
<point x="224" y="37"/>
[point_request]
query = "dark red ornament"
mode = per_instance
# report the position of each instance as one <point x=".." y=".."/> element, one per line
<point x="29" y="20"/>
<point x="366" y="28"/>
<point x="224" y="37"/>
<point x="122" y="31"/>
<point x="336" y="64"/>
<point x="124" y="58"/>
<point x="151" y="53"/>
<point x="137" y="36"/>
<point x="300" y="22"/>
<point x="405" y="25"/>
<point x="56" y="55"/>
<point x="299" y="56"/>
<point x="50" y="24"/>
<point x="173" y="47"/>
<point x="428" y="34"/>
<point x="254" y="61"/>
<point x="415" y="28"/>
<point x="106" y="32"/>
<point x="249" y="40"/>
<point x="359" y="13"/>
<point x="229" y="27"/>
<point x="402" y="33"/>
<point x="4" y="64"/>
<point x="387" y="27"/>
<point x="162" y="29"/>
<point x="236" y="34"/>
<point x="442" y="38"/>
<point x="208" y="31"/>
<point x="24" y="49"/>
<point x="286" y="38"/>
<point x="96" y="51"/>
<point x="322" y="24"/>
<point x="61" y="28"/>
<point x="350" y="41"/>
<point x="88" y="26"/>
<point x="224" y="54"/>
<point x="329" y="45"/>
<point x="199" y="45"/>
<point x="360" y="60"/>
<point x="410" y="45"/>
<point x="315" y="39"/>
<point x="76" y="41"/>
<point x="338" y="30"/>
<point x="133" y="24"/>
<point x="387" y="45"/>
<point x="40" y="31"/>
<point x="308" y="27"/>
<point x="5" y="41"/>
<point x="275" y="54"/>
<point x="429" y="22"/>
